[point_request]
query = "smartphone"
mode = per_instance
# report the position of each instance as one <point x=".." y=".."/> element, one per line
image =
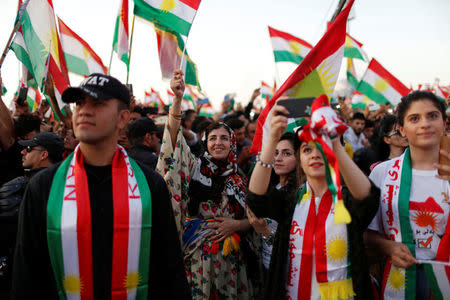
<point x="445" y="145"/>
<point x="297" y="107"/>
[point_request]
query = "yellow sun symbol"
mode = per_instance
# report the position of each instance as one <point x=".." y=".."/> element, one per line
<point x="72" y="284"/>
<point x="396" y="279"/>
<point x="295" y="47"/>
<point x="306" y="196"/>
<point x="348" y="42"/>
<point x="381" y="85"/>
<point x="425" y="218"/>
<point x="132" y="281"/>
<point x="86" y="53"/>
<point x="336" y="249"/>
<point x="168" y="5"/>
<point x="326" y="77"/>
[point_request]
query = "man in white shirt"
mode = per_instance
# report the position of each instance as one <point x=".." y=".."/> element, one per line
<point x="354" y="135"/>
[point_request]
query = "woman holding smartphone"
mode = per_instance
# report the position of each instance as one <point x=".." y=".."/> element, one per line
<point x="311" y="254"/>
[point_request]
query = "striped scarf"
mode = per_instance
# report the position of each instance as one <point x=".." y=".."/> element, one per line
<point x="69" y="231"/>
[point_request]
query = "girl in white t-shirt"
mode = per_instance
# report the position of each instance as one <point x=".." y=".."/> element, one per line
<point x="411" y="227"/>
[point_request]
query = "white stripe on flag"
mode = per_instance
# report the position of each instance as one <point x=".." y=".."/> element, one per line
<point x="280" y="44"/>
<point x="122" y="47"/>
<point x="72" y="46"/>
<point x="389" y="93"/>
<point x="181" y="10"/>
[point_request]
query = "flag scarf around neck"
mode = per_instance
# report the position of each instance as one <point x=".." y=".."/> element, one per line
<point x="170" y="51"/>
<point x="120" y="39"/>
<point x="399" y="283"/>
<point x="325" y="125"/>
<point x="287" y="47"/>
<point x="316" y="75"/>
<point x="38" y="47"/>
<point x="177" y="15"/>
<point x="316" y="238"/>
<point x="381" y="86"/>
<point x="69" y="231"/>
<point x="353" y="48"/>
<point x="80" y="57"/>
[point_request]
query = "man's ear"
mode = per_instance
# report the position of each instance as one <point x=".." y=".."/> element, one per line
<point x="44" y="155"/>
<point x="124" y="118"/>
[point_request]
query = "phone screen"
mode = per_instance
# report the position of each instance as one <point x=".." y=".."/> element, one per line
<point x="297" y="107"/>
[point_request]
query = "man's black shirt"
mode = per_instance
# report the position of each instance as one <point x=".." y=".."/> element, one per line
<point x="33" y="275"/>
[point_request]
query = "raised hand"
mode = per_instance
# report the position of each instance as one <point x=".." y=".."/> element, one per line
<point x="278" y="122"/>
<point x="177" y="85"/>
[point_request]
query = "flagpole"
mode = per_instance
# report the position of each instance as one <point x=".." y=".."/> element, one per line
<point x="16" y="27"/>
<point x="185" y="44"/>
<point x="131" y="46"/>
<point x="110" y="60"/>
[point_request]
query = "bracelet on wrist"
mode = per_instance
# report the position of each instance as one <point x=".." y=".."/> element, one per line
<point x="175" y="116"/>
<point x="263" y="164"/>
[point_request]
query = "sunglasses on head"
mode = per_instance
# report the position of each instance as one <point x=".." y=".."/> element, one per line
<point x="396" y="131"/>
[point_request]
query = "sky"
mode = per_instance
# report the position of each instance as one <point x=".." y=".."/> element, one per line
<point x="230" y="44"/>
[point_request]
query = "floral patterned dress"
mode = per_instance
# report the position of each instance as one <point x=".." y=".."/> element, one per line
<point x="210" y="273"/>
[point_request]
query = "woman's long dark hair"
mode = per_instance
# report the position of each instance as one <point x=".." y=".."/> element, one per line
<point x="387" y="124"/>
<point x="292" y="138"/>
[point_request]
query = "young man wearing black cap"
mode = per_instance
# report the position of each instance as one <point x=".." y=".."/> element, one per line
<point x="99" y="225"/>
<point x="40" y="152"/>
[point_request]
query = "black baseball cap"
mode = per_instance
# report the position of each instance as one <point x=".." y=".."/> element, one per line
<point x="48" y="140"/>
<point x="98" y="86"/>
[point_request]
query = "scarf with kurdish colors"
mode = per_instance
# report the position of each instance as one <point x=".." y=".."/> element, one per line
<point x="69" y="231"/>
<point x="399" y="283"/>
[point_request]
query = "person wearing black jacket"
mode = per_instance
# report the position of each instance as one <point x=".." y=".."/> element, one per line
<point x="101" y="111"/>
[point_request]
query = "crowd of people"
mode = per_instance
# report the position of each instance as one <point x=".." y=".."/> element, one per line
<point x="117" y="201"/>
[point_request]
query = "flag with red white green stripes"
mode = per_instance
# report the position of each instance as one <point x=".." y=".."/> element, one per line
<point x="287" y="47"/>
<point x="176" y="15"/>
<point x="381" y="86"/>
<point x="120" y="40"/>
<point x="353" y="48"/>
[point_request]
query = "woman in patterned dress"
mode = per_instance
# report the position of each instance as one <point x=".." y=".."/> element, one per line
<point x="208" y="199"/>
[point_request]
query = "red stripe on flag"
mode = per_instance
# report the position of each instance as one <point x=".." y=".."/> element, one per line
<point x="124" y="14"/>
<point x="331" y="41"/>
<point x="84" y="232"/>
<point x="358" y="43"/>
<point x="307" y="252"/>
<point x="192" y="3"/>
<point x="121" y="226"/>
<point x="320" y="237"/>
<point x="287" y="36"/>
<point x="60" y="83"/>
<point x="376" y="67"/>
<point x="64" y="29"/>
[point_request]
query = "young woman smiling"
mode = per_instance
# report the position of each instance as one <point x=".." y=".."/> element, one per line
<point x="311" y="254"/>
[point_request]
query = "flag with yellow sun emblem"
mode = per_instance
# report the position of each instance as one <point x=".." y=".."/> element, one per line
<point x="381" y="86"/>
<point x="316" y="75"/>
<point x="176" y="15"/>
<point x="287" y="47"/>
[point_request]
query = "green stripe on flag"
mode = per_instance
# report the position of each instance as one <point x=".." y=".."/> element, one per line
<point x="143" y="10"/>
<point x="124" y="57"/>
<point x="405" y="224"/>
<point x="370" y="92"/>
<point x="22" y="56"/>
<point x="352" y="80"/>
<point x="76" y="65"/>
<point x="287" y="56"/>
<point x="54" y="210"/>
<point x="432" y="282"/>
<point x="146" y="230"/>
<point x="353" y="53"/>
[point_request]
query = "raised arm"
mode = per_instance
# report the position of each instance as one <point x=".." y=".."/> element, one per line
<point x="177" y="86"/>
<point x="260" y="178"/>
<point x="357" y="182"/>
<point x="6" y="125"/>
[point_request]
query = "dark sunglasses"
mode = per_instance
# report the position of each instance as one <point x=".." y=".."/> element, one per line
<point x="396" y="131"/>
<point x="29" y="149"/>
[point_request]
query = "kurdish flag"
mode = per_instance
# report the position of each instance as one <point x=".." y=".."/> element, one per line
<point x="443" y="95"/>
<point x="170" y="51"/>
<point x="361" y="101"/>
<point x="40" y="49"/>
<point x="80" y="57"/>
<point x="120" y="40"/>
<point x="33" y="98"/>
<point x="266" y="91"/>
<point x="316" y="75"/>
<point x="177" y="15"/>
<point x="287" y="47"/>
<point x="381" y="86"/>
<point x="351" y="73"/>
<point x="353" y="48"/>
